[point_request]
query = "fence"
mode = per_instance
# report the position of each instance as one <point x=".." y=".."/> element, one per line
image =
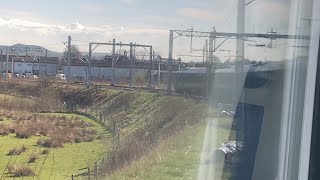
<point x="92" y="173"/>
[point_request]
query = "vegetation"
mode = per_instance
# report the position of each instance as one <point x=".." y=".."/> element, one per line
<point x="140" y="124"/>
<point x="176" y="158"/>
<point x="75" y="52"/>
<point x="139" y="80"/>
<point x="42" y="162"/>
<point x="17" y="151"/>
<point x="19" y="170"/>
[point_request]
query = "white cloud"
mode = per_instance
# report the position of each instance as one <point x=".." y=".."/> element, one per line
<point x="200" y="14"/>
<point x="16" y="30"/>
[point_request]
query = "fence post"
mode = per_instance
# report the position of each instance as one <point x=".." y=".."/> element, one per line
<point x="96" y="170"/>
<point x="72" y="177"/>
<point x="88" y="173"/>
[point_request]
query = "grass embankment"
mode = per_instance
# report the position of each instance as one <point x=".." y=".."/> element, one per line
<point x="176" y="158"/>
<point x="59" y="163"/>
<point x="141" y="122"/>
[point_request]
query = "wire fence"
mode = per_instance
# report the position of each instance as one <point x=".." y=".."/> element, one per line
<point x="95" y="171"/>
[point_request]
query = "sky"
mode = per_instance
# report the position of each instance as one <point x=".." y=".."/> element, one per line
<point x="48" y="23"/>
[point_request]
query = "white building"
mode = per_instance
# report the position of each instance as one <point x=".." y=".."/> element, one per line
<point x="23" y="65"/>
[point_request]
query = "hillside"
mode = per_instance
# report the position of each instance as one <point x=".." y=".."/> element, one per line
<point x="33" y="50"/>
<point x="138" y="121"/>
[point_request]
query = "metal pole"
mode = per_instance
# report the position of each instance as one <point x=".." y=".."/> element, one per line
<point x="113" y="46"/>
<point x="191" y="40"/>
<point x="113" y="61"/>
<point x="46" y="62"/>
<point x="1" y="62"/>
<point x="131" y="72"/>
<point x="211" y="39"/>
<point x="159" y="72"/>
<point x="12" y="73"/>
<point x="113" y="69"/>
<point x="240" y="30"/>
<point x="7" y="62"/>
<point x="170" y="62"/>
<point x="69" y="58"/>
<point x="152" y="77"/>
<point x="134" y="50"/>
<point x="89" y="66"/>
<point x="203" y="54"/>
<point x="240" y="67"/>
<point x="206" y="50"/>
<point x="149" y="70"/>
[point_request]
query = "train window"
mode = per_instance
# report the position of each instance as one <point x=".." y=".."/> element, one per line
<point x="169" y="89"/>
<point x="315" y="143"/>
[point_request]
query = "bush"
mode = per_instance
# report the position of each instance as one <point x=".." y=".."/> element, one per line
<point x="32" y="159"/>
<point x="78" y="140"/>
<point x="88" y="138"/>
<point x="17" y="151"/>
<point x="50" y="143"/>
<point x="12" y="130"/>
<point x="4" y="130"/>
<point x="24" y="133"/>
<point x="20" y="170"/>
<point x="46" y="151"/>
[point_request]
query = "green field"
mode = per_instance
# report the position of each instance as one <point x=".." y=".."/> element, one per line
<point x="60" y="163"/>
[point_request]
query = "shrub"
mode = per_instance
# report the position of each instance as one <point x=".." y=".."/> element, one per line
<point x="20" y="170"/>
<point x="32" y="159"/>
<point x="11" y="130"/>
<point x="17" y="151"/>
<point x="46" y="151"/>
<point x="50" y="143"/>
<point x="24" y="133"/>
<point x="78" y="140"/>
<point x="4" y="130"/>
<point x="88" y="138"/>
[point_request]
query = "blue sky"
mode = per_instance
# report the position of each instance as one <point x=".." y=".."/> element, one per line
<point x="48" y="23"/>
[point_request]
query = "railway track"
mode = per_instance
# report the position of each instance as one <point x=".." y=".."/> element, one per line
<point x="116" y="87"/>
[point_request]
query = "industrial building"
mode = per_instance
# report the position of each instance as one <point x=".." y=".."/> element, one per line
<point x="100" y="69"/>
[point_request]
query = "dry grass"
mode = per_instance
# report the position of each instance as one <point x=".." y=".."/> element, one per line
<point x="17" y="151"/>
<point x="20" y="170"/>
<point x="4" y="130"/>
<point x="56" y="130"/>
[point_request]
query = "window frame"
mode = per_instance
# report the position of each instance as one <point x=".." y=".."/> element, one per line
<point x="290" y="146"/>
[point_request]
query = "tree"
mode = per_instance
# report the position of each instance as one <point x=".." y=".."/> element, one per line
<point x="75" y="52"/>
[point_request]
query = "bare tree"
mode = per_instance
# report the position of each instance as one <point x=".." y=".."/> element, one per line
<point x="75" y="52"/>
